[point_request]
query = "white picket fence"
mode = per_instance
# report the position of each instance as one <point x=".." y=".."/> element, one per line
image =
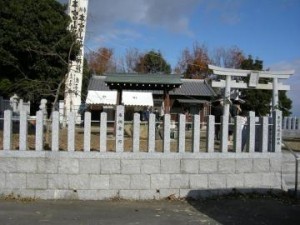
<point x="291" y="127"/>
<point x="264" y="134"/>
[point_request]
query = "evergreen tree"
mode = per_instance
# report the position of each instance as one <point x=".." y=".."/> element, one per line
<point x="35" y="48"/>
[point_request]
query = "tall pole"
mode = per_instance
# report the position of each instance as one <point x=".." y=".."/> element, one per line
<point x="73" y="85"/>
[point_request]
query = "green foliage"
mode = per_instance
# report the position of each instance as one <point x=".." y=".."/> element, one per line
<point x="285" y="104"/>
<point x="35" y="47"/>
<point x="153" y="62"/>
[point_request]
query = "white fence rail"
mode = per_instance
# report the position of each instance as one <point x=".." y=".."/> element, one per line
<point x="261" y="134"/>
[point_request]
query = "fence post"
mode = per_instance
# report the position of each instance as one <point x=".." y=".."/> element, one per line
<point x="7" y="134"/>
<point x="55" y="131"/>
<point x="210" y="133"/>
<point x="151" y="133"/>
<point x="224" y="134"/>
<point x="87" y="131"/>
<point x="251" y="132"/>
<point x="167" y="127"/>
<point x="39" y="131"/>
<point x="136" y="132"/>
<point x="277" y="132"/>
<point x="181" y="136"/>
<point x="238" y="137"/>
<point x="23" y="131"/>
<point x="196" y="133"/>
<point x="103" y="132"/>
<point x="264" y="121"/>
<point x="294" y="123"/>
<point x="71" y="131"/>
<point x="120" y="128"/>
<point x="289" y="124"/>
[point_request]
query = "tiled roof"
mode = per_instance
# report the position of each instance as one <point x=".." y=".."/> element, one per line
<point x="144" y="79"/>
<point x="97" y="83"/>
<point x="189" y="87"/>
<point x="194" y="87"/>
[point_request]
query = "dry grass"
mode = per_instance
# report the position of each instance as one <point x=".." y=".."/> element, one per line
<point x="110" y="145"/>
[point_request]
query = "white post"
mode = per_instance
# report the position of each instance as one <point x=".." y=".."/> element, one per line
<point x="71" y="132"/>
<point x="151" y="133"/>
<point x="119" y="128"/>
<point x="210" y="133"/>
<point x="167" y="128"/>
<point x="196" y="133"/>
<point x="181" y="136"/>
<point x="39" y="131"/>
<point x="55" y="131"/>
<point x="136" y="133"/>
<point x="87" y="131"/>
<point x="251" y="132"/>
<point x="103" y="132"/>
<point x="23" y="130"/>
<point x="7" y="132"/>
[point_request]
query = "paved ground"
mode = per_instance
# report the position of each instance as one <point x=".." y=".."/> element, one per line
<point x="214" y="211"/>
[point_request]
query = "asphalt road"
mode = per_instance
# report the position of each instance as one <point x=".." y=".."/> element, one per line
<point x="167" y="212"/>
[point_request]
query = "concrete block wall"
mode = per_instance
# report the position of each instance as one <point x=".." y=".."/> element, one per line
<point x="98" y="176"/>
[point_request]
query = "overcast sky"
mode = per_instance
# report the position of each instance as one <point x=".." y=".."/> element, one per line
<point x="266" y="29"/>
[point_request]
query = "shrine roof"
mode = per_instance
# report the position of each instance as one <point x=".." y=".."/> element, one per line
<point x="143" y="81"/>
<point x="189" y="87"/>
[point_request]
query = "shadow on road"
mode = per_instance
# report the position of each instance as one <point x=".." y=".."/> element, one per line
<point x="248" y="208"/>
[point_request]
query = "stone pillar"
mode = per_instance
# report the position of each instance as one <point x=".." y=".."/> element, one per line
<point x="196" y="133"/>
<point x="151" y="133"/>
<point x="23" y="131"/>
<point x="71" y="131"/>
<point x="264" y="127"/>
<point x="14" y="103"/>
<point x="119" y="128"/>
<point x="7" y="130"/>
<point x="87" y="131"/>
<point x="237" y="135"/>
<point x="103" y="132"/>
<point x="251" y="132"/>
<point x="39" y="131"/>
<point x="167" y="127"/>
<point x="181" y="137"/>
<point x="136" y="132"/>
<point x="55" y="131"/>
<point x="43" y="107"/>
<point x="210" y="133"/>
<point x="224" y="133"/>
<point x="277" y="132"/>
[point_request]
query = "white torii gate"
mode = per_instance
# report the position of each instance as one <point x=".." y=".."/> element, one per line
<point x="253" y="83"/>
